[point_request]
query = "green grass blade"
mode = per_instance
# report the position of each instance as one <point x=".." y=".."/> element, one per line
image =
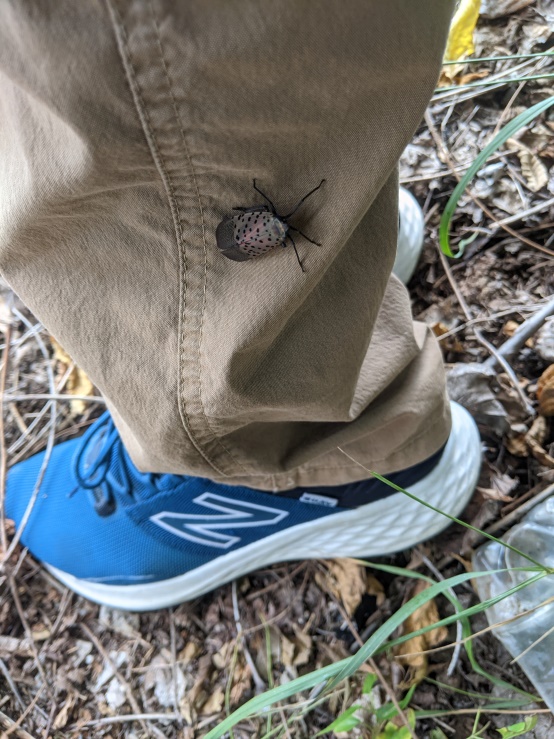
<point x="503" y="135"/>
<point x="375" y="643"/>
<point x="453" y="518"/>
<point x="460" y="615"/>
<point x="476" y="59"/>
<point x="491" y="83"/>
<point x="345" y="667"/>
<point x="466" y="613"/>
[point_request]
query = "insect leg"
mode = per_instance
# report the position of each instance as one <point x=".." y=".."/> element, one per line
<point x="298" y="231"/>
<point x="284" y="218"/>
<point x="296" y="252"/>
<point x="263" y="195"/>
<point x="241" y="208"/>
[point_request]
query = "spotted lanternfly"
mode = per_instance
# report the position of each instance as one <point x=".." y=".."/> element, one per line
<point x="257" y="230"/>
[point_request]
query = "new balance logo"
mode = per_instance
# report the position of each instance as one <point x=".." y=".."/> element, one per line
<point x="205" y="528"/>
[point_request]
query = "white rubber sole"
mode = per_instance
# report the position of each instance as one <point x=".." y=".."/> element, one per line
<point x="410" y="236"/>
<point x="383" y="527"/>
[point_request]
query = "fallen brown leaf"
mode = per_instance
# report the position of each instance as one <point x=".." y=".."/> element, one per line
<point x="424" y="616"/>
<point x="61" y="719"/>
<point x="517" y="445"/>
<point x="451" y="343"/>
<point x="215" y="702"/>
<point x="346" y="580"/>
<point x="532" y="167"/>
<point x="545" y="392"/>
<point x="535" y="438"/>
<point x="77" y="382"/>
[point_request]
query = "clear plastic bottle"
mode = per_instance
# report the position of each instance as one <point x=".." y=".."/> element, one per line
<point x="531" y="635"/>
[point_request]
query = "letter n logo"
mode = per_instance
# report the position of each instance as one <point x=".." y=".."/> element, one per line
<point x="208" y="528"/>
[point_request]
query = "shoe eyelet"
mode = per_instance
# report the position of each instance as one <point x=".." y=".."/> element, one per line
<point x="102" y="505"/>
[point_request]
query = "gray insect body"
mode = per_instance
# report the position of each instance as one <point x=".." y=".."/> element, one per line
<point x="257" y="230"/>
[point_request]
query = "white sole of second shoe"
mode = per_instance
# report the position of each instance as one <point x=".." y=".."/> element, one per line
<point x="383" y="527"/>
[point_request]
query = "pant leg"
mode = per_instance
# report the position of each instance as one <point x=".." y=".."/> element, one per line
<point x="130" y="128"/>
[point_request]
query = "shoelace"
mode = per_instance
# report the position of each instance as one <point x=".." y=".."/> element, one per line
<point x="102" y="465"/>
<point x="97" y="474"/>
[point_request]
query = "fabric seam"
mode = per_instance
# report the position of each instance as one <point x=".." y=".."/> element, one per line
<point x="148" y="129"/>
<point x="203" y="227"/>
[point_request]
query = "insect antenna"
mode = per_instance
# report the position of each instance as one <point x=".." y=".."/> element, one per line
<point x="263" y="195"/>
<point x="298" y="231"/>
<point x="284" y="218"/>
<point x="296" y="252"/>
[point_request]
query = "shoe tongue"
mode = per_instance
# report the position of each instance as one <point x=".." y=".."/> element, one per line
<point x="165" y="483"/>
<point x="144" y="485"/>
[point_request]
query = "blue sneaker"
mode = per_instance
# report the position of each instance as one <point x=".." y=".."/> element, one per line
<point x="146" y="541"/>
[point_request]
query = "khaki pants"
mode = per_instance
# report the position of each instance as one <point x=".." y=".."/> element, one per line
<point x="129" y="129"/>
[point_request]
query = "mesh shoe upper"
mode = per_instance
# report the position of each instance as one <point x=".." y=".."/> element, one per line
<point x="99" y="518"/>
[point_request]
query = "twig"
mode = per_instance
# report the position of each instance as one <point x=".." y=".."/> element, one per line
<point x="46" y="732"/>
<point x="533" y="645"/>
<point x="260" y="684"/>
<point x="50" y="442"/>
<point x="481" y="339"/>
<point x="502" y="117"/>
<point x="13" y="687"/>
<point x="52" y="396"/>
<point x="502" y="523"/>
<point x="459" y="628"/>
<point x="29" y="633"/>
<point x="492" y="317"/>
<point x="174" y="660"/>
<point x="128" y="718"/>
<point x="3" y="454"/>
<point x="524" y="332"/>
<point x="126" y="687"/>
<point x="18" y="418"/>
<point x="13" y="727"/>
<point x="386" y="687"/>
<point x="519" y="512"/>
<point x="485" y="709"/>
<point x="523" y="214"/>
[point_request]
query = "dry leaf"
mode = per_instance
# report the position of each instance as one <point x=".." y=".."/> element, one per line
<point x="501" y="487"/>
<point x="451" y="343"/>
<point x="424" y="616"/>
<point x="77" y="383"/>
<point x="532" y="168"/>
<point x="375" y="588"/>
<point x="535" y="438"/>
<point x="470" y="385"/>
<point x="545" y="392"/>
<point x="242" y="683"/>
<point x="169" y="683"/>
<point x="303" y="647"/>
<point x="460" y="36"/>
<point x="544" y="340"/>
<point x="222" y="658"/>
<point x="188" y="653"/>
<point x="509" y="328"/>
<point x="465" y="79"/>
<point x="61" y="719"/>
<point x="497" y="8"/>
<point x="5" y="313"/>
<point x="517" y="445"/>
<point x="346" y="580"/>
<point x="214" y="704"/>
